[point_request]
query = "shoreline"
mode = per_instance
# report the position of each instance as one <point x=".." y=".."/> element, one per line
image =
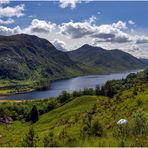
<point x="2" y="96"/>
<point x="16" y="101"/>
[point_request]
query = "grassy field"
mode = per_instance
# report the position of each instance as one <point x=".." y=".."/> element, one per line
<point x="82" y="118"/>
<point x="16" y="86"/>
<point x="69" y="117"/>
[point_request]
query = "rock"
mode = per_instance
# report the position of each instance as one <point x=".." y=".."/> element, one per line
<point x="122" y="121"/>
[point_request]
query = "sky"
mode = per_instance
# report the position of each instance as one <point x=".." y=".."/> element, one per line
<point x="69" y="24"/>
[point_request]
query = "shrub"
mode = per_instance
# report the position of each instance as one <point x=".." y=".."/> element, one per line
<point x="49" y="140"/>
<point x="140" y="124"/>
<point x="64" y="97"/>
<point x="139" y="102"/>
<point x="31" y="139"/>
<point x="91" y="127"/>
<point x="97" y="129"/>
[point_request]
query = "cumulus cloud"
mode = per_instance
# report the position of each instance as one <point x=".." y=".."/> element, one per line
<point x="141" y="39"/>
<point x="120" y="25"/>
<point x="71" y="34"/>
<point x="40" y="26"/>
<point x="76" y="30"/>
<point x="2" y="2"/>
<point x="60" y="45"/>
<point x="9" y="31"/>
<point x="6" y="22"/>
<point x="131" y="22"/>
<point x="16" y="11"/>
<point x="105" y="33"/>
<point x="69" y="3"/>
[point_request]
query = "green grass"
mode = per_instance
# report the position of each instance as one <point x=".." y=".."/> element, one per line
<point x="70" y="115"/>
<point x="15" y="86"/>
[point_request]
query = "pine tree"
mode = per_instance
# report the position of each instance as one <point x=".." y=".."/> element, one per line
<point x="34" y="114"/>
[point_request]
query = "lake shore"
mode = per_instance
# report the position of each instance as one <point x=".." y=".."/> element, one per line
<point x="77" y="83"/>
<point x="17" y="101"/>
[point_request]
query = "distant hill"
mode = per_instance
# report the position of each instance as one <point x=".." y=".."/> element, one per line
<point x="145" y="61"/>
<point x="30" y="57"/>
<point x="98" y="60"/>
<point x="27" y="56"/>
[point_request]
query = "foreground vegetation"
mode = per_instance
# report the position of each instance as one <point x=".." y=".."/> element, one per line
<point x="83" y="118"/>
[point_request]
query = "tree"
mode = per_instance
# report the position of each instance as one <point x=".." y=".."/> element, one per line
<point x="34" y="114"/>
<point x="64" y="97"/>
<point x="146" y="75"/>
<point x="97" y="90"/>
<point x="42" y="84"/>
<point x="31" y="139"/>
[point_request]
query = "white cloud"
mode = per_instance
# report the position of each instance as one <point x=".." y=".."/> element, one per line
<point x="16" y="11"/>
<point x="2" y="2"/>
<point x="88" y="28"/>
<point x="72" y="35"/>
<point x="131" y="22"/>
<point x="141" y="39"/>
<point x="6" y="22"/>
<point x="60" y="45"/>
<point x="40" y="26"/>
<point x="69" y="3"/>
<point x="9" y="31"/>
<point x="92" y="19"/>
<point x="120" y="25"/>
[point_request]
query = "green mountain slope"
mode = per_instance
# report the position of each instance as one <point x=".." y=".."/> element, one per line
<point x="70" y="122"/>
<point x="98" y="60"/>
<point x="29" y="57"/>
<point x="70" y="116"/>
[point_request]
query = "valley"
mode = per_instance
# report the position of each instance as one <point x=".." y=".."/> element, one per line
<point x="29" y="63"/>
<point x="83" y="118"/>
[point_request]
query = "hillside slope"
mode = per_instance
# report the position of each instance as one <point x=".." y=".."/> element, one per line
<point x="74" y="122"/>
<point x="70" y="116"/>
<point x="26" y="56"/>
<point x="98" y="60"/>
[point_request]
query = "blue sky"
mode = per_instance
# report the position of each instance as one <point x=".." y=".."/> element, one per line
<point x="110" y="11"/>
<point x="70" y="24"/>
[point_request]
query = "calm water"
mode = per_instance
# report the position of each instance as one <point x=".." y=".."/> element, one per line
<point x="70" y="85"/>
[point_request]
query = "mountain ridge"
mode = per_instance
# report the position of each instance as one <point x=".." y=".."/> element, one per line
<point x="25" y="56"/>
<point x="101" y="59"/>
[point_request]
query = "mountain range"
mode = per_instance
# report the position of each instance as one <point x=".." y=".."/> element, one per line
<point x="26" y="56"/>
<point x="98" y="60"/>
<point x="30" y="57"/>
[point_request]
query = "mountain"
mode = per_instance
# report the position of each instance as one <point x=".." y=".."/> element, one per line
<point x="29" y="57"/>
<point x="96" y="60"/>
<point x="145" y="61"/>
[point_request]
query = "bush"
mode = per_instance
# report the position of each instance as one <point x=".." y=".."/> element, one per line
<point x="49" y="140"/>
<point x="140" y="124"/>
<point x="64" y="97"/>
<point x="97" y="129"/>
<point x="31" y="139"/>
<point x="91" y="127"/>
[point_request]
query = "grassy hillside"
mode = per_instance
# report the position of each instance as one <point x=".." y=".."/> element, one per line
<point x="28" y="62"/>
<point x="27" y="58"/>
<point x="88" y="120"/>
<point x="98" y="60"/>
